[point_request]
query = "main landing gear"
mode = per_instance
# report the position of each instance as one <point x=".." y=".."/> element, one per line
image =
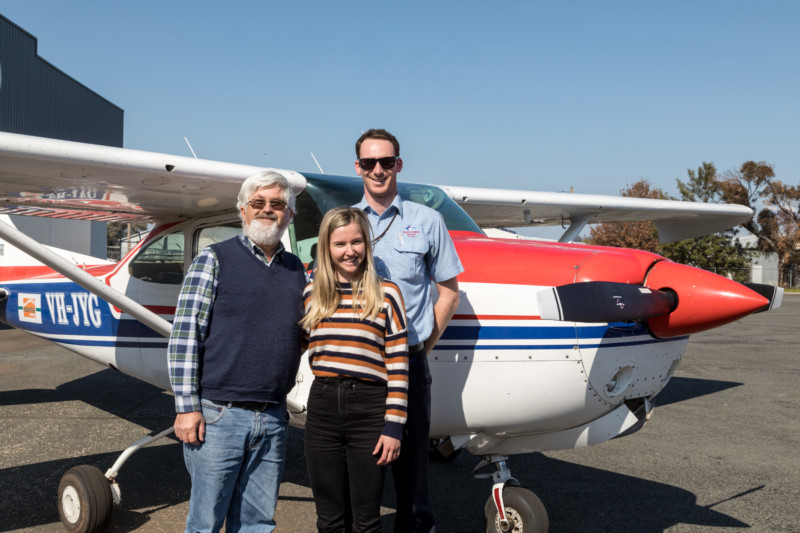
<point x="86" y="496"/>
<point x="510" y="508"/>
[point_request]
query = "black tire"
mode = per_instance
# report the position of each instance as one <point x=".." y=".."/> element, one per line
<point x="524" y="510"/>
<point x="84" y="500"/>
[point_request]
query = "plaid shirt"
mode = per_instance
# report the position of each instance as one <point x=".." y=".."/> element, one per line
<point x="190" y="326"/>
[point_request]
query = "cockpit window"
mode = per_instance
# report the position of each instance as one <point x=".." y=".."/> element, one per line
<point x="304" y="229"/>
<point x="326" y="192"/>
<point x="161" y="261"/>
<point x="213" y="234"/>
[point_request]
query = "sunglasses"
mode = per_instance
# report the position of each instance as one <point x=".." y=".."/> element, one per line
<point x="275" y="205"/>
<point x="387" y="163"/>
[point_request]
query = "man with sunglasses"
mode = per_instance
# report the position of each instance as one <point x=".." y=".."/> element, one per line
<point x="412" y="248"/>
<point x="233" y="356"/>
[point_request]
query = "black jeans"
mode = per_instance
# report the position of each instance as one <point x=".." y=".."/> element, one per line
<point x="345" y="420"/>
<point x="410" y="470"/>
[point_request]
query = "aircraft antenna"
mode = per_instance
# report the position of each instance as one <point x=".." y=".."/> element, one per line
<point x="190" y="146"/>
<point x="317" y="162"/>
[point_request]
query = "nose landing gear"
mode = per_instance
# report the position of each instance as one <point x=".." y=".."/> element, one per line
<point x="510" y="508"/>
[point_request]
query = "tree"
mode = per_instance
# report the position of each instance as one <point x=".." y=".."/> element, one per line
<point x="777" y="222"/>
<point x="703" y="186"/>
<point x="720" y="252"/>
<point x="640" y="235"/>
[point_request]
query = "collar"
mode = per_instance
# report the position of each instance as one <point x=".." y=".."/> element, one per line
<point x="253" y="247"/>
<point x="397" y="203"/>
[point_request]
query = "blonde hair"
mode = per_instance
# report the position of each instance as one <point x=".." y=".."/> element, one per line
<point x="367" y="288"/>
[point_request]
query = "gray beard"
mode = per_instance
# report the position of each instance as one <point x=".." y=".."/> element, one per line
<point x="263" y="234"/>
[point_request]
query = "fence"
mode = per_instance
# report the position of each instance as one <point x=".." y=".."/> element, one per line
<point x="788" y="277"/>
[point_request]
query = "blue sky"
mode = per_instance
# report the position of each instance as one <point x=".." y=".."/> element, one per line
<point x="523" y="95"/>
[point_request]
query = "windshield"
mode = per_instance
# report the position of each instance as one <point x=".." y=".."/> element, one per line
<point x="326" y="192"/>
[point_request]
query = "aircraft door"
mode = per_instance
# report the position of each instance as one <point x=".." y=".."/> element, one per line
<point x="153" y="278"/>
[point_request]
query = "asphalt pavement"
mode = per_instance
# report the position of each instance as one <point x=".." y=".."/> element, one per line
<point x="721" y="453"/>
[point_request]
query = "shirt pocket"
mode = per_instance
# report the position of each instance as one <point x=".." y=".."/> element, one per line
<point x="411" y="259"/>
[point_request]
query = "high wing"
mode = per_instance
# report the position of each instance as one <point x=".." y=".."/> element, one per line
<point x="64" y="179"/>
<point x="675" y="220"/>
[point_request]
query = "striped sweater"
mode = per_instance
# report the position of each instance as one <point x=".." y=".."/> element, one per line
<point x="348" y="346"/>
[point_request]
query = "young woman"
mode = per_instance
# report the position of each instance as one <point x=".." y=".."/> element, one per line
<point x="358" y="352"/>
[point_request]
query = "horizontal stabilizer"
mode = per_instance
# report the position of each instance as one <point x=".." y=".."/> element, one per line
<point x="604" y="301"/>
<point x="770" y="292"/>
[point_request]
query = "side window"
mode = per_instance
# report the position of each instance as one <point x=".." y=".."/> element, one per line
<point x="304" y="229"/>
<point x="161" y="261"/>
<point x="214" y="234"/>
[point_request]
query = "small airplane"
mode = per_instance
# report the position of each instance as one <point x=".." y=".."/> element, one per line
<point x="554" y="345"/>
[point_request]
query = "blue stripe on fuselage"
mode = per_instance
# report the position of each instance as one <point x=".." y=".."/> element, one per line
<point x="66" y="308"/>
<point x="567" y="331"/>
<point x="569" y="334"/>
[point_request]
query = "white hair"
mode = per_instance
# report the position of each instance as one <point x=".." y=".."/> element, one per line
<point x="267" y="178"/>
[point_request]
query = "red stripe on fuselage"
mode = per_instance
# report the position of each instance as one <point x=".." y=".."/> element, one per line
<point x="161" y="309"/>
<point x="19" y="273"/>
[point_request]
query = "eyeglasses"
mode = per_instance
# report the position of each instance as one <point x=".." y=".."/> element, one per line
<point x="387" y="163"/>
<point x="275" y="205"/>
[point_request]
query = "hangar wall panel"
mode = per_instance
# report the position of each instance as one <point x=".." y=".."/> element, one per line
<point x="38" y="99"/>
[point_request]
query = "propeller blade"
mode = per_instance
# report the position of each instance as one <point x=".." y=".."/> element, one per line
<point x="770" y="292"/>
<point x="604" y="301"/>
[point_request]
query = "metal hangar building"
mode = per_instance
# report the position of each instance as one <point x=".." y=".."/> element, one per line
<point x="36" y="98"/>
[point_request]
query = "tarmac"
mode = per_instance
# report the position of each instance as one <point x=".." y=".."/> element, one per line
<point x="721" y="453"/>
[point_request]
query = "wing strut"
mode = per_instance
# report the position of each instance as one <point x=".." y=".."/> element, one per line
<point x="84" y="279"/>
<point x="578" y="223"/>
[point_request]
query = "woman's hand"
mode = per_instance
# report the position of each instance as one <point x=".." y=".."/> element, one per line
<point x="388" y="448"/>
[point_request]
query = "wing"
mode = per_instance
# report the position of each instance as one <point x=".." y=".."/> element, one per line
<point x="493" y="208"/>
<point x="64" y="179"/>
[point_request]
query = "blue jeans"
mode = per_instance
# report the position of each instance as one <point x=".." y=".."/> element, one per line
<point x="236" y="471"/>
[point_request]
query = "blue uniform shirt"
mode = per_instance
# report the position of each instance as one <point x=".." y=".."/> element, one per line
<point x="415" y="250"/>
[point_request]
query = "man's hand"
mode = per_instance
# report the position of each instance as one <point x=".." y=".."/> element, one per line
<point x="388" y="448"/>
<point x="190" y="427"/>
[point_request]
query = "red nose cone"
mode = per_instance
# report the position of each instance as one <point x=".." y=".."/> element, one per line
<point x="705" y="300"/>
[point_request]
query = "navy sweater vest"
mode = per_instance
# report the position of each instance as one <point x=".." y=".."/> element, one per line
<point x="253" y="346"/>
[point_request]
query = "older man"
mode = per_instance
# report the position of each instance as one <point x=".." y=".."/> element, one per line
<point x="233" y="355"/>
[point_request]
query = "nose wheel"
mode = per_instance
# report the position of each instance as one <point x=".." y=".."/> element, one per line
<point x="524" y="512"/>
<point x="510" y="508"/>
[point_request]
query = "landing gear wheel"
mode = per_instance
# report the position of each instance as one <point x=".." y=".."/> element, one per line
<point x="524" y="510"/>
<point x="84" y="500"/>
